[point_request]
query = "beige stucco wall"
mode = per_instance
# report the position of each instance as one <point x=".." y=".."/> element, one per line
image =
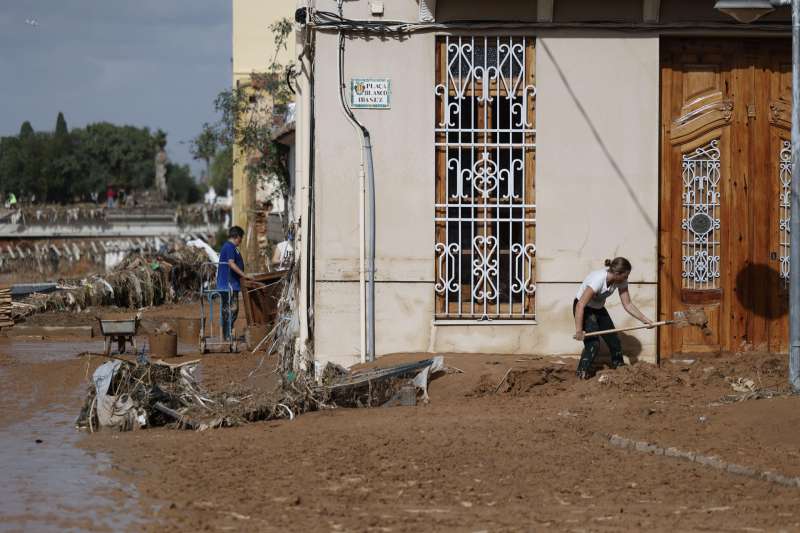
<point x="253" y="51"/>
<point x="405" y="10"/>
<point x="253" y="43"/>
<point x="597" y="194"/>
<point x="597" y="155"/>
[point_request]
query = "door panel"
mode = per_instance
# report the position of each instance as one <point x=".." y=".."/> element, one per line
<point x="776" y="77"/>
<point x="697" y="118"/>
<point x="722" y="177"/>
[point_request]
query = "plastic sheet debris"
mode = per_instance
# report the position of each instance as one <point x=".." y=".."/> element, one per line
<point x="742" y="385"/>
<point x="377" y="386"/>
<point x="212" y="255"/>
<point x="118" y="412"/>
<point x="123" y="395"/>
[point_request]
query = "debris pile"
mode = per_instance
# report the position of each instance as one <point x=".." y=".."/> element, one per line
<point x="127" y="395"/>
<point x="139" y="281"/>
<point x="746" y="389"/>
<point x="282" y="338"/>
<point x="95" y="215"/>
<point x="5" y="308"/>
<point x="58" y="255"/>
<point x="89" y="214"/>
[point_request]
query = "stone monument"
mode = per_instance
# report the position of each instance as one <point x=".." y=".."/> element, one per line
<point x="161" y="168"/>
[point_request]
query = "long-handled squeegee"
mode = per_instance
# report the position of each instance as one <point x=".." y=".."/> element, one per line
<point x="690" y="317"/>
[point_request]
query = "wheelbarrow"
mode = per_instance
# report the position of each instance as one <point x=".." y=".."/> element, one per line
<point x="122" y="331"/>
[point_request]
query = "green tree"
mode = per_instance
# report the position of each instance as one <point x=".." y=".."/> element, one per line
<point x="60" y="165"/>
<point x="204" y="147"/>
<point x="181" y="186"/>
<point x="26" y="131"/>
<point x="64" y="165"/>
<point x="222" y="171"/>
<point x="247" y="116"/>
<point x="32" y="180"/>
<point x="61" y="127"/>
<point x="121" y="156"/>
<point x="10" y="166"/>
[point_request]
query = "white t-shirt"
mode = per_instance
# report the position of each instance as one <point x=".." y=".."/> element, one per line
<point x="282" y="253"/>
<point x="597" y="281"/>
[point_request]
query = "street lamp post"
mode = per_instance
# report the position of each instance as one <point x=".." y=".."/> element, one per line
<point x="748" y="11"/>
<point x="794" y="226"/>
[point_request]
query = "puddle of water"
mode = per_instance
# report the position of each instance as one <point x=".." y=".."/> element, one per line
<point x="53" y="485"/>
<point x="37" y="351"/>
<point x="45" y="351"/>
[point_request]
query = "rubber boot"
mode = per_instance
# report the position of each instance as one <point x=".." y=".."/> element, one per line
<point x="585" y="364"/>
<point x="617" y="360"/>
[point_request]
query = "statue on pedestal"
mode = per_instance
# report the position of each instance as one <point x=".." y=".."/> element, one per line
<point x="161" y="165"/>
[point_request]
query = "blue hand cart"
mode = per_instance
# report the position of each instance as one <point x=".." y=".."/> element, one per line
<point x="213" y="319"/>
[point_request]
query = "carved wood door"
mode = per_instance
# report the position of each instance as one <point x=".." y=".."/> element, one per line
<point x="724" y="120"/>
<point x="775" y="82"/>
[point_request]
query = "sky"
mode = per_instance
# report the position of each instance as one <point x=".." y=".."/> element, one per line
<point x="154" y="63"/>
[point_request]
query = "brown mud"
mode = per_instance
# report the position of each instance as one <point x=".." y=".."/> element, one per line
<point x="533" y="455"/>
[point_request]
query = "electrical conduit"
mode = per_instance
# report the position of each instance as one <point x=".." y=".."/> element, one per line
<point x="366" y="289"/>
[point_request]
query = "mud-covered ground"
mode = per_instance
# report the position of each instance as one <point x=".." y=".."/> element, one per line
<point x="494" y="450"/>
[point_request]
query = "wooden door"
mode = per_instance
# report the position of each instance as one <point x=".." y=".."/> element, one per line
<point x="722" y="134"/>
<point x="774" y="77"/>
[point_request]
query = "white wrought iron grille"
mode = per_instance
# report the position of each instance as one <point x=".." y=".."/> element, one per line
<point x="785" y="206"/>
<point x="485" y="207"/>
<point x="700" y="223"/>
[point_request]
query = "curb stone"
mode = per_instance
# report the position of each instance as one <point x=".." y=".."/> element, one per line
<point x="705" y="460"/>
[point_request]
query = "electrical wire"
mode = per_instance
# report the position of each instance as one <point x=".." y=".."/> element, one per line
<point x="328" y="21"/>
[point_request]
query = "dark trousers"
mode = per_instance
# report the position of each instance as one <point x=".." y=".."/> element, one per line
<point x="597" y="320"/>
<point x="230" y="311"/>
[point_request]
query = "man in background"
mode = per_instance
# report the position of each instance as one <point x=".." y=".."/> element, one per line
<point x="229" y="273"/>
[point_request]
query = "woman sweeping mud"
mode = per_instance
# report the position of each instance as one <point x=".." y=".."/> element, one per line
<point x="591" y="315"/>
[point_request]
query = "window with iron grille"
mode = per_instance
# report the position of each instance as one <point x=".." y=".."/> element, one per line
<point x="701" y="217"/>
<point x="485" y="151"/>
<point x="785" y="203"/>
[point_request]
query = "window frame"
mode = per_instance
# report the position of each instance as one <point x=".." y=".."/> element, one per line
<point x="489" y="184"/>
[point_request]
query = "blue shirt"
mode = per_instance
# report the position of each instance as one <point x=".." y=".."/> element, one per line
<point x="225" y="277"/>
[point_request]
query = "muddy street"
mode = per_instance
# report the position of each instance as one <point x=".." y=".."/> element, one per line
<point x="510" y="443"/>
<point x="400" y="266"/>
<point x="50" y="482"/>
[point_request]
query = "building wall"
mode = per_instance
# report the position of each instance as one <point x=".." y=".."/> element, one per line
<point x="596" y="186"/>
<point x="570" y="11"/>
<point x="253" y="51"/>
<point x="253" y="44"/>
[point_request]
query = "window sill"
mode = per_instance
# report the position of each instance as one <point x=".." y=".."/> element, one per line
<point x="476" y="322"/>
